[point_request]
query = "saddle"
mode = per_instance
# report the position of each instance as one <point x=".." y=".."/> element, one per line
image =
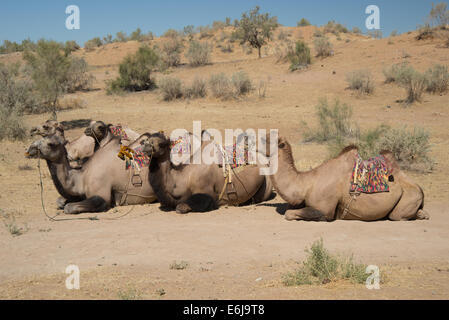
<point x="370" y="176"/>
<point x="119" y="132"/>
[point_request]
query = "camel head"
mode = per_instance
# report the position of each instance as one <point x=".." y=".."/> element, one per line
<point x="49" y="148"/>
<point x="97" y="130"/>
<point x="49" y="128"/>
<point x="155" y="145"/>
<point x="283" y="143"/>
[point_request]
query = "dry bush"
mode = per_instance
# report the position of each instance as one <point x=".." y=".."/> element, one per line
<point x="395" y="72"/>
<point x="78" y="77"/>
<point x="227" y="48"/>
<point x="198" y="53"/>
<point x="360" y="80"/>
<point x="196" y="90"/>
<point x="303" y="23"/>
<point x="242" y="83"/>
<point x="414" y="82"/>
<point x="437" y="79"/>
<point x="220" y="86"/>
<point x="335" y="28"/>
<point x="71" y="104"/>
<point x="282" y="52"/>
<point x="323" y="47"/>
<point x="171" y="52"/>
<point x="171" y="88"/>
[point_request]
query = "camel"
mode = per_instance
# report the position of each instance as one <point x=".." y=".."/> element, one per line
<point x="322" y="194"/>
<point x="82" y="147"/>
<point x="101" y="183"/>
<point x="199" y="187"/>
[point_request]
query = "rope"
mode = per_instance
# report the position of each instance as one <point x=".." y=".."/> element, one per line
<point x="67" y="219"/>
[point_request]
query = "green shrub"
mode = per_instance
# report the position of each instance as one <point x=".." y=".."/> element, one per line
<point x="321" y="267"/>
<point x="121" y="37"/>
<point x="300" y="58"/>
<point x="323" y="47"/>
<point x="303" y="23"/>
<point x="198" y="53"/>
<point x="135" y="72"/>
<point x="196" y="90"/>
<point x="335" y="28"/>
<point x="70" y="46"/>
<point x="171" y="33"/>
<point x="93" y="44"/>
<point x="334" y="123"/>
<point x="171" y="88"/>
<point x="78" y="77"/>
<point x="360" y="80"/>
<point x="437" y="79"/>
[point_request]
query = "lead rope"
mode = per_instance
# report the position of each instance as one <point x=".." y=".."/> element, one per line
<point x="66" y="219"/>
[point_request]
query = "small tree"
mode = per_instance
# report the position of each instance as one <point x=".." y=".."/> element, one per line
<point x="303" y="23"/>
<point x="49" y="69"/>
<point x="439" y="14"/>
<point x="256" y="28"/>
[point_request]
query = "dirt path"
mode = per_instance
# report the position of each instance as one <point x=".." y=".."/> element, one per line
<point x="233" y="247"/>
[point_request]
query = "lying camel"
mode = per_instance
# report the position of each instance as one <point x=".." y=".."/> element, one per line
<point x="84" y="146"/>
<point x="322" y="194"/>
<point x="101" y="183"/>
<point x="199" y="187"/>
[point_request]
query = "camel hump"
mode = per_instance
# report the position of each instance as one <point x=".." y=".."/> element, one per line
<point x="349" y="149"/>
<point x="392" y="164"/>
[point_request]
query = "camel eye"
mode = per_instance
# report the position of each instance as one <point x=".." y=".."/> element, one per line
<point x="281" y="145"/>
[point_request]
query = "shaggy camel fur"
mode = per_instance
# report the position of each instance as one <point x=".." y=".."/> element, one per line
<point x="322" y="194"/>
<point x="197" y="187"/>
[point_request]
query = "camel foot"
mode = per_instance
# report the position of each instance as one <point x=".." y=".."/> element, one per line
<point x="93" y="204"/>
<point x="306" y="214"/>
<point x="183" y="208"/>
<point x="422" y="215"/>
<point x="61" y="202"/>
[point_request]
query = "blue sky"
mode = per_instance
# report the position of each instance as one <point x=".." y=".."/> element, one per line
<point x="20" y="19"/>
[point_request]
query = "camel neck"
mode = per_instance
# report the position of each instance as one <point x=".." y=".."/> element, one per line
<point x="65" y="179"/>
<point x="161" y="177"/>
<point x="291" y="184"/>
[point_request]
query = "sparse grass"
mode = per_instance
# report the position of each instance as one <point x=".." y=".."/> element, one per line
<point x="323" y="47"/>
<point x="282" y="52"/>
<point x="129" y="294"/>
<point x="198" y="53"/>
<point x="171" y="51"/>
<point x="395" y="72"/>
<point x="414" y="83"/>
<point x="9" y="221"/>
<point x="300" y="58"/>
<point x="360" y="80"/>
<point x="25" y="167"/>
<point x="171" y="88"/>
<point x="321" y="267"/>
<point x="179" y="265"/>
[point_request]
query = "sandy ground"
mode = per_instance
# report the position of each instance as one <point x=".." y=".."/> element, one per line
<point x="232" y="252"/>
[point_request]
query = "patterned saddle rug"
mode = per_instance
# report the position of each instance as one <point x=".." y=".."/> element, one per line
<point x="118" y="131"/>
<point x="235" y="155"/>
<point x="370" y="176"/>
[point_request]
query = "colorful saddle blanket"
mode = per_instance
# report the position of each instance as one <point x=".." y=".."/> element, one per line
<point x="235" y="155"/>
<point x="181" y="145"/>
<point x="138" y="158"/>
<point x="119" y="132"/>
<point x="370" y="176"/>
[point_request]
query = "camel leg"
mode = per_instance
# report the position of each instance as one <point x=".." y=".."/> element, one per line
<point x="409" y="206"/>
<point x="307" y="214"/>
<point x="93" y="204"/>
<point x="61" y="202"/>
<point x="199" y="202"/>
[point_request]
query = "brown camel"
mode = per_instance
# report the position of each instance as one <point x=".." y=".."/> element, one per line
<point x="84" y="146"/>
<point x="101" y="183"/>
<point x="322" y="194"/>
<point x="199" y="187"/>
